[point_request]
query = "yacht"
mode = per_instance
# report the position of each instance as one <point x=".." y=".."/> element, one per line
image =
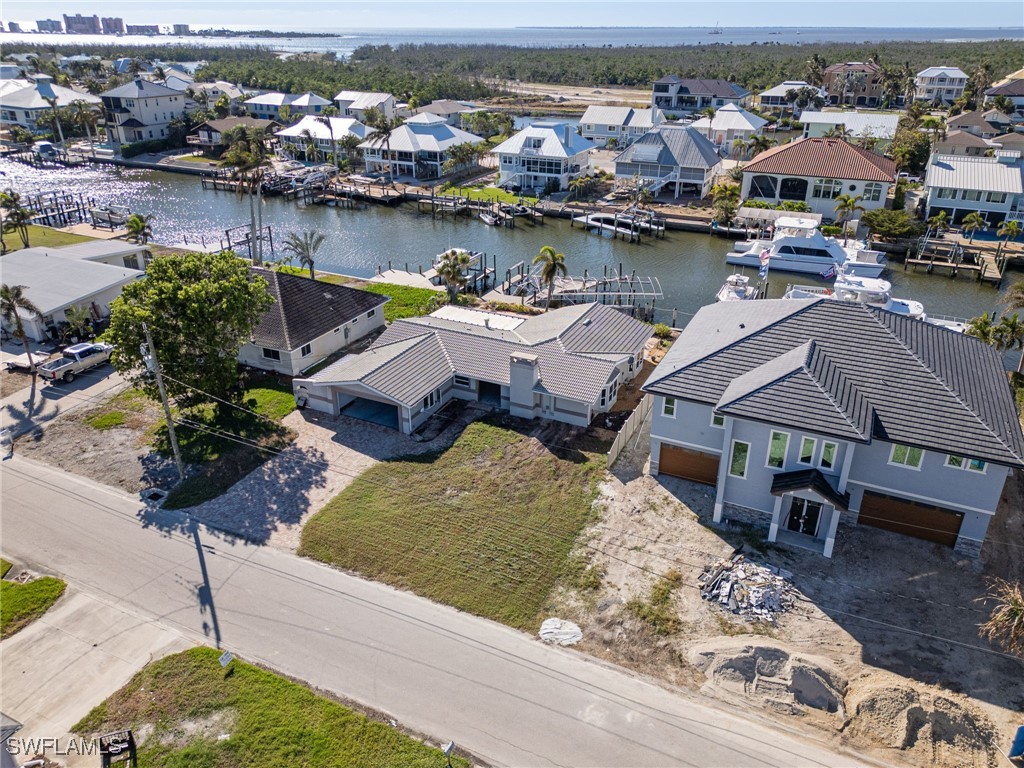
<point x="474" y="257"/>
<point x="798" y="246"/>
<point x="872" y="291"/>
<point x="737" y="288"/>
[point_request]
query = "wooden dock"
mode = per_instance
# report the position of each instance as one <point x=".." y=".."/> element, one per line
<point x="984" y="262"/>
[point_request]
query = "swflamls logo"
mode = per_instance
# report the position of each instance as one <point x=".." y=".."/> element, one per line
<point x="48" y="746"/>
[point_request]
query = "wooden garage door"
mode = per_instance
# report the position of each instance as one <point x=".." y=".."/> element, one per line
<point x="911" y="518"/>
<point x="692" y="465"/>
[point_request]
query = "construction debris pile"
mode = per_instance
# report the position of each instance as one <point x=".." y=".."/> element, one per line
<point x="757" y="592"/>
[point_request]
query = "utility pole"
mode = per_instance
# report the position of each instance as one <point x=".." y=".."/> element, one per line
<point x="153" y="363"/>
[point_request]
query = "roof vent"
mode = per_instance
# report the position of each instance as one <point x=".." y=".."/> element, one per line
<point x="587" y="321"/>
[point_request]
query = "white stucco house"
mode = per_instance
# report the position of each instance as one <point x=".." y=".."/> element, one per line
<point x="731" y="122"/>
<point x="541" y="154"/>
<point x="945" y="84"/>
<point x="25" y="105"/>
<point x="625" y="125"/>
<point x="293" y="138"/>
<point x="140" y="111"/>
<point x="356" y="103"/>
<point x="418" y="148"/>
<point x="963" y="184"/>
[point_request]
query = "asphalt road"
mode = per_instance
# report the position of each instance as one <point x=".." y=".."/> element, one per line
<point x="504" y="696"/>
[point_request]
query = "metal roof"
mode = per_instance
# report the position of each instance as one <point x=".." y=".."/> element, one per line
<point x="317" y="126"/>
<point x="951" y="72"/>
<point x="140" y="89"/>
<point x="823" y="158"/>
<point x="927" y="386"/>
<point x="34" y="96"/>
<point x="988" y="174"/>
<point x="697" y="86"/>
<point x="790" y="85"/>
<point x="91" y="250"/>
<point x="731" y="118"/>
<point x="53" y="283"/>
<point x="363" y="99"/>
<point x="555" y="142"/>
<point x="424" y="133"/>
<point x="859" y="124"/>
<point x="681" y="146"/>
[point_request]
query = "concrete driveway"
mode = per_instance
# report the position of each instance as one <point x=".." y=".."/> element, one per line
<point x="39" y="403"/>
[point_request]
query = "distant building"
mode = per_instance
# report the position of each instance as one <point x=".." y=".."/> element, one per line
<point x="1012" y="89"/>
<point x="83" y="25"/>
<point x="987" y="124"/>
<point x="601" y="124"/>
<point x="854" y="82"/>
<point x="112" y="26"/>
<point x="26" y="105"/>
<point x="945" y="84"/>
<point x="776" y="98"/>
<point x="140" y="111"/>
<point x="143" y="29"/>
<point x="182" y="29"/>
<point x="49" y="25"/>
<point x="677" y="96"/>
<point x="14" y="27"/>
<point x="268" y="106"/>
<point x="356" y="103"/>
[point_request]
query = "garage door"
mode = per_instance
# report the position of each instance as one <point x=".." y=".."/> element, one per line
<point x="911" y="518"/>
<point x="692" y="465"/>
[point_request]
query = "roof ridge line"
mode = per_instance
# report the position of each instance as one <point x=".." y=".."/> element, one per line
<point x="280" y="307"/>
<point x="831" y="399"/>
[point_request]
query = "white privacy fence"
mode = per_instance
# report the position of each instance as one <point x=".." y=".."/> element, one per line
<point x="630" y="428"/>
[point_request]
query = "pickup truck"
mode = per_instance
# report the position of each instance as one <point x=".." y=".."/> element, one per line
<point x="74" y="360"/>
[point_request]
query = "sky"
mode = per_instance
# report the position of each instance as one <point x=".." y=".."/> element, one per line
<point x="304" y="15"/>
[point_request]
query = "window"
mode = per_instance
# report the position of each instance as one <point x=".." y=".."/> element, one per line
<point x="957" y="462"/>
<point x="793" y="189"/>
<point x="828" y="455"/>
<point x="738" y="460"/>
<point x="306" y="351"/>
<point x="972" y="195"/>
<point x="371" y="313"/>
<point x="762" y="186"/>
<point x="975" y="465"/>
<point x="827" y="189"/>
<point x="355" y="320"/>
<point x="962" y="462"/>
<point x="668" y="408"/>
<point x="906" y="456"/>
<point x="807" y="446"/>
<point x="337" y="329"/>
<point x="777" y="446"/>
<point x="717" y="420"/>
<point x="271" y="354"/>
<point x="462" y="381"/>
<point x="872" y="192"/>
<point x="945" y="193"/>
<point x="996" y="197"/>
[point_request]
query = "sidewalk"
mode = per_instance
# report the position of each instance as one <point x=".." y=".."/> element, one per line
<point x="35" y="405"/>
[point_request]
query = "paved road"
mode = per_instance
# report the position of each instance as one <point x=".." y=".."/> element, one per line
<point x="504" y="696"/>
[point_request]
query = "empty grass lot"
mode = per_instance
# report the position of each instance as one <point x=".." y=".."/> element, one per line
<point x="185" y="703"/>
<point x="21" y="604"/>
<point x="486" y="526"/>
<point x="486" y="194"/>
<point x="44" y="237"/>
<point x="405" y="301"/>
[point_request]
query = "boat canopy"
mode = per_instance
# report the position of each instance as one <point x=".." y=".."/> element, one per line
<point x="769" y="215"/>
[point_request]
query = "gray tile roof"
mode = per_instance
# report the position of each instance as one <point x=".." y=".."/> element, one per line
<point x="809" y="480"/>
<point x="306" y="309"/>
<point x="140" y="89"/>
<point x="682" y="146"/>
<point x="926" y="386"/>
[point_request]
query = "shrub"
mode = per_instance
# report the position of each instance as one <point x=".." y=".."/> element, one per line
<point x="657" y="610"/>
<point x="831" y="231"/>
<point x="662" y="331"/>
<point x="143" y="147"/>
<point x="104" y="421"/>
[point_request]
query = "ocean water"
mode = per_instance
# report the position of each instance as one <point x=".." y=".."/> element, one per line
<point x="347" y="40"/>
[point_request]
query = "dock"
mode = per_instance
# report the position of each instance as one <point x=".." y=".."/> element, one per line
<point x="478" y="277"/>
<point x="950" y="254"/>
<point x="59" y="209"/>
<point x="629" y="224"/>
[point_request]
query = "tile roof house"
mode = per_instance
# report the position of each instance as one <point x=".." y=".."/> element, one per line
<point x="987" y="125"/>
<point x="962" y="143"/>
<point x="542" y="154"/>
<point x="451" y="111"/>
<point x="419" y="147"/>
<point x="680" y="157"/>
<point x="1012" y="89"/>
<point x="806" y="412"/>
<point x="625" y="125"/>
<point x="309" y="321"/>
<point x="26" y="104"/>
<point x="817" y="171"/>
<point x="730" y="123"/>
<point x="566" y="365"/>
<point x="682" y="96"/>
<point x="992" y="186"/>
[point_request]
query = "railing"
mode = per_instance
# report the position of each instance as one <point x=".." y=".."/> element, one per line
<point x="631" y="426"/>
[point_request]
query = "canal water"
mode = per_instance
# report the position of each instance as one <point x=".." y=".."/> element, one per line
<point x="690" y="266"/>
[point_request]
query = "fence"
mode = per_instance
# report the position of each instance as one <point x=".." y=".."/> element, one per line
<point x="630" y="428"/>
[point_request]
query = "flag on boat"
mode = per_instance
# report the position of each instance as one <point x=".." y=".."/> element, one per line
<point x="828" y="274"/>
<point x="766" y="254"/>
<point x="763" y="271"/>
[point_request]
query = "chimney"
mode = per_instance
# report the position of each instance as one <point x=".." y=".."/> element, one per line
<point x="524" y="373"/>
<point x="567" y="132"/>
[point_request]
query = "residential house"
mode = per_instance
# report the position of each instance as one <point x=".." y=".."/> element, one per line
<point x="1011" y="89"/>
<point x="1009" y="141"/>
<point x="683" y="96"/>
<point x="545" y="155"/>
<point x="730" y="123"/>
<point x="268" y="106"/>
<point x="943" y="84"/>
<point x="860" y="127"/>
<point x="565" y="365"/>
<point x="78" y="60"/>
<point x="214" y="91"/>
<point x="308" y="322"/>
<point x="963" y="143"/>
<point x="10" y="72"/>
<point x="418" y="148"/>
<point x="993" y="186"/>
<point x="680" y="157"/>
<point x="624" y="125"/>
<point x="322" y="129"/>
<point x="816" y="172"/>
<point x="987" y="124"/>
<point x="777" y="98"/>
<point x="209" y="136"/>
<point x="55" y="283"/>
<point x="356" y="103"/>
<point x="856" y="83"/>
<point x="25" y="105"/>
<point x="140" y="111"/>
<point x="451" y="111"/>
<point x="804" y="413"/>
<point x="116" y="253"/>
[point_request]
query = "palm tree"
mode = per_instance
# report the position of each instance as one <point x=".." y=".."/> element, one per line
<point x="846" y="208"/>
<point x="16" y="217"/>
<point x="983" y="328"/>
<point x="935" y="128"/>
<point x="1006" y="622"/>
<point x="739" y="147"/>
<point x="553" y="267"/>
<point x="86" y="117"/>
<point x="838" y="131"/>
<point x="1010" y="335"/>
<point x="726" y="198"/>
<point x="383" y="127"/>
<point x="139" y="228"/>
<point x="330" y="130"/>
<point x="814" y="69"/>
<point x="312" y="149"/>
<point x="304" y="248"/>
<point x="77" y="318"/>
<point x="939" y="222"/>
<point x="1014" y="297"/>
<point x="12" y="298"/>
<point x="1008" y="230"/>
<point x="972" y="223"/>
<point x="452" y="270"/>
<point x="248" y="155"/>
<point x="759" y="143"/>
<point x="52" y="101"/>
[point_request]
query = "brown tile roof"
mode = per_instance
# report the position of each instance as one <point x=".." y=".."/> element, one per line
<point x="825" y="159"/>
<point x="853" y="66"/>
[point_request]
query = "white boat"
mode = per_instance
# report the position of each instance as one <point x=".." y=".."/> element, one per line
<point x="474" y="256"/>
<point x="489" y="219"/>
<point x="737" y="288"/>
<point x="798" y="246"/>
<point x="872" y="291"/>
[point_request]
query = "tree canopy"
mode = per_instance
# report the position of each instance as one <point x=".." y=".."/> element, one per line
<point x="201" y="308"/>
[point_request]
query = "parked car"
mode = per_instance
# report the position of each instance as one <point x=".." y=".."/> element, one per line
<point x="74" y="360"/>
<point x="904" y="176"/>
<point x="44" y="150"/>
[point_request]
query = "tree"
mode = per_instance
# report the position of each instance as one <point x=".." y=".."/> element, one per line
<point x="983" y="328"/>
<point x="248" y="154"/>
<point x="284" y="114"/>
<point x="739" y="148"/>
<point x="552" y="267"/>
<point x="1008" y="230"/>
<point x="312" y="148"/>
<point x="1004" y="104"/>
<point x="939" y="222"/>
<point x="759" y="143"/>
<point x="334" y="144"/>
<point x="85" y="116"/>
<point x="452" y="270"/>
<point x="139" y="228"/>
<point x="12" y="298"/>
<point x="1005" y="624"/>
<point x="814" y="69"/>
<point x="201" y="308"/>
<point x="847" y="206"/>
<point x="1010" y="335"/>
<point x="304" y="247"/>
<point x="77" y="318"/>
<point x="972" y="223"/>
<point x="52" y="101"/>
<point x="383" y="127"/>
<point x="16" y="216"/>
<point x="934" y="127"/>
<point x="1014" y="297"/>
<point x="891" y="224"/>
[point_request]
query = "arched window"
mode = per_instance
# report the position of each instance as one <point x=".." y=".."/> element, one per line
<point x="762" y="186"/>
<point x="872" y="192"/>
<point x="793" y="189"/>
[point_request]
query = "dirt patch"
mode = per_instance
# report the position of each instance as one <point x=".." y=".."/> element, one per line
<point x="14" y="381"/>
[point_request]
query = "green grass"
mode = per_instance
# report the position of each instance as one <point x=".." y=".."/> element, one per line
<point x="106" y="420"/>
<point x="485" y="193"/>
<point x="5" y="566"/>
<point x="657" y="610"/>
<point x="405" y="301"/>
<point x="486" y="526"/>
<point x="21" y="604"/>
<point x="44" y="237"/>
<point x="271" y="722"/>
<point x="323" y="277"/>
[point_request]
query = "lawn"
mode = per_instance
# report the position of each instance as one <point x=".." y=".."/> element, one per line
<point x="186" y="704"/>
<point x="487" y="194"/>
<point x="21" y="604"/>
<point x="405" y="301"/>
<point x="323" y="277"/>
<point x="486" y="526"/>
<point x="44" y="237"/>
